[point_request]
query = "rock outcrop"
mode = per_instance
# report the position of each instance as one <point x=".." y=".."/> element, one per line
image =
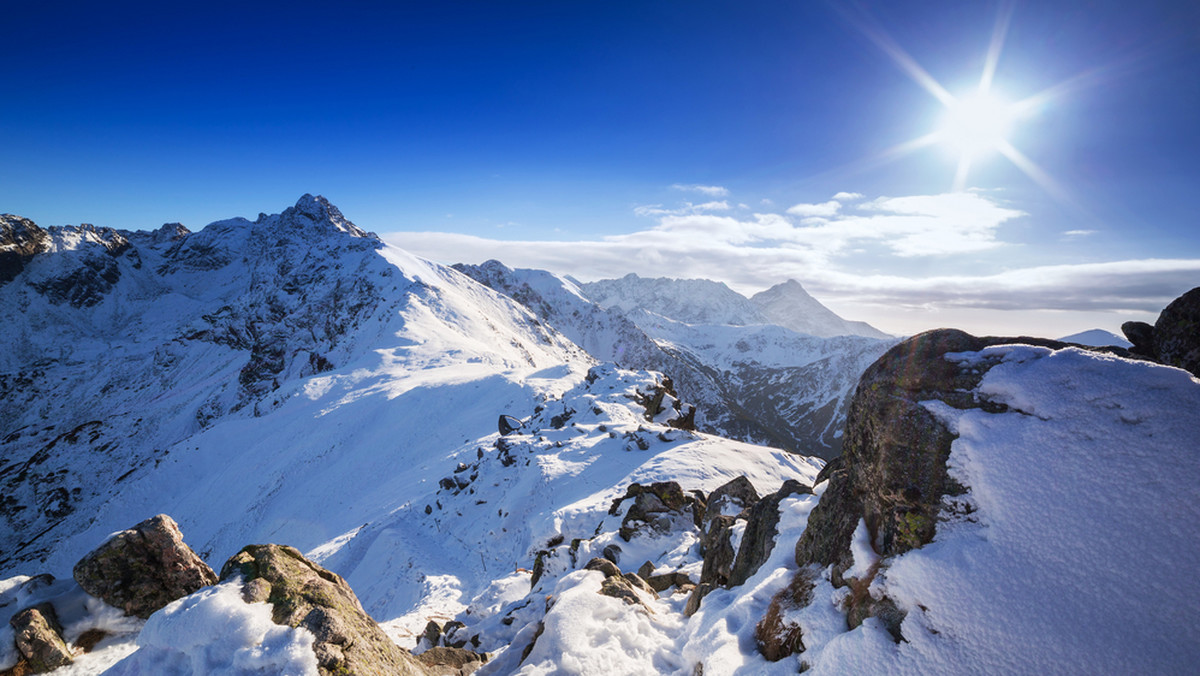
<point x="144" y="568"/>
<point x="39" y="639"/>
<point x="892" y="475"/>
<point x="306" y="595"/>
<point x="1174" y="339"/>
<point x="20" y="240"/>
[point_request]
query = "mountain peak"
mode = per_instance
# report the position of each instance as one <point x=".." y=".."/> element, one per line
<point x="789" y="305"/>
<point x="318" y="210"/>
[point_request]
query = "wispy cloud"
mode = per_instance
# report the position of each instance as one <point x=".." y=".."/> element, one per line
<point x="1078" y="233"/>
<point x="751" y="252"/>
<point x="686" y="208"/>
<point x="710" y="190"/>
<point x="848" y="196"/>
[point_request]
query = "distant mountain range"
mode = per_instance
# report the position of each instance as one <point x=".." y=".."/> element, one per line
<point x="750" y="377"/>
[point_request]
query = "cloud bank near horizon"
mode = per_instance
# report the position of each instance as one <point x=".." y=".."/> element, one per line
<point x="814" y="243"/>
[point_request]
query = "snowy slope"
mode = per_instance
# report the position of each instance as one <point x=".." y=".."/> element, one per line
<point x="105" y="393"/>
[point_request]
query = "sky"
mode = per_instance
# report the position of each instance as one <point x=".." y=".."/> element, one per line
<point x="747" y="142"/>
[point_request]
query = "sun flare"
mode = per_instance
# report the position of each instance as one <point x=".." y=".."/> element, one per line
<point x="977" y="125"/>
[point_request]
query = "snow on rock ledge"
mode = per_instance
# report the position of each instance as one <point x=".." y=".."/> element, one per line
<point x="994" y="480"/>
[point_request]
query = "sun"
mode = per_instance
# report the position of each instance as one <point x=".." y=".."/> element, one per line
<point x="977" y="125"/>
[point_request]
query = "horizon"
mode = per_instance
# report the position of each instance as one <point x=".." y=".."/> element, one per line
<point x="825" y="143"/>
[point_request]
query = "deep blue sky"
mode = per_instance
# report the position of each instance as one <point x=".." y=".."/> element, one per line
<point x="557" y="120"/>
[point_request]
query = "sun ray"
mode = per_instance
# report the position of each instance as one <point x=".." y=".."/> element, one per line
<point x="902" y="59"/>
<point x="999" y="33"/>
<point x="960" y="174"/>
<point x="1044" y="180"/>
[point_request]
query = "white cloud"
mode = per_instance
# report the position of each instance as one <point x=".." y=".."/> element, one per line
<point x="1078" y="233"/>
<point x="753" y="251"/>
<point x="823" y="209"/>
<point x="659" y="210"/>
<point x="710" y="190"/>
<point x="848" y="196"/>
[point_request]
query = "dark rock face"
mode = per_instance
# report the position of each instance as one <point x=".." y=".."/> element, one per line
<point x="718" y="550"/>
<point x="20" y="240"/>
<point x="1174" y="339"/>
<point x="1177" y="333"/>
<point x="143" y="569"/>
<point x="1141" y="335"/>
<point x="892" y="474"/>
<point x="39" y="639"/>
<point x="306" y="595"/>
<point x="730" y="499"/>
<point x="761" y="528"/>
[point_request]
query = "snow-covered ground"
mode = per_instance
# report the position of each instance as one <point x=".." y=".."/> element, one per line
<point x="1077" y="559"/>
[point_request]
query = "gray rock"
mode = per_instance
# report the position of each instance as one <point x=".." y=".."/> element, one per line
<point x="1177" y="333"/>
<point x="306" y="595"/>
<point x="698" y="593"/>
<point x="143" y="569"/>
<point x="608" y="568"/>
<point x="892" y="472"/>
<point x="620" y="588"/>
<point x="39" y="639"/>
<point x="730" y="499"/>
<point x="718" y="550"/>
<point x="761" y="528"/>
<point x="443" y="661"/>
<point x="637" y="582"/>
<point x="1141" y="335"/>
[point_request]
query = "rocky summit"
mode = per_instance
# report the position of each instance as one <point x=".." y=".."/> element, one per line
<point x="316" y="412"/>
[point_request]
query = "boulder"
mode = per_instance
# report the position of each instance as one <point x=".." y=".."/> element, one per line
<point x="761" y="528"/>
<point x="306" y="595"/>
<point x="1141" y="335"/>
<point x="1177" y="333"/>
<point x="39" y="639"/>
<point x="442" y="661"/>
<point x="143" y="569"/>
<point x="608" y="568"/>
<point x="730" y="499"/>
<point x="655" y="507"/>
<point x="620" y="588"/>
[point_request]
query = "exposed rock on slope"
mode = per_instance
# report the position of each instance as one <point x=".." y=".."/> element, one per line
<point x="303" y="594"/>
<point x="903" y="482"/>
<point x="144" y="568"/>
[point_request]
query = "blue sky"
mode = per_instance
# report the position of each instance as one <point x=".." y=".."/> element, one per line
<point x="665" y="138"/>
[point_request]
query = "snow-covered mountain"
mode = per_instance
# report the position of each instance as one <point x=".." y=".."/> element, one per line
<point x="126" y="350"/>
<point x="293" y="380"/>
<point x="790" y="306"/>
<point x="750" y="380"/>
<point x="1096" y="338"/>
